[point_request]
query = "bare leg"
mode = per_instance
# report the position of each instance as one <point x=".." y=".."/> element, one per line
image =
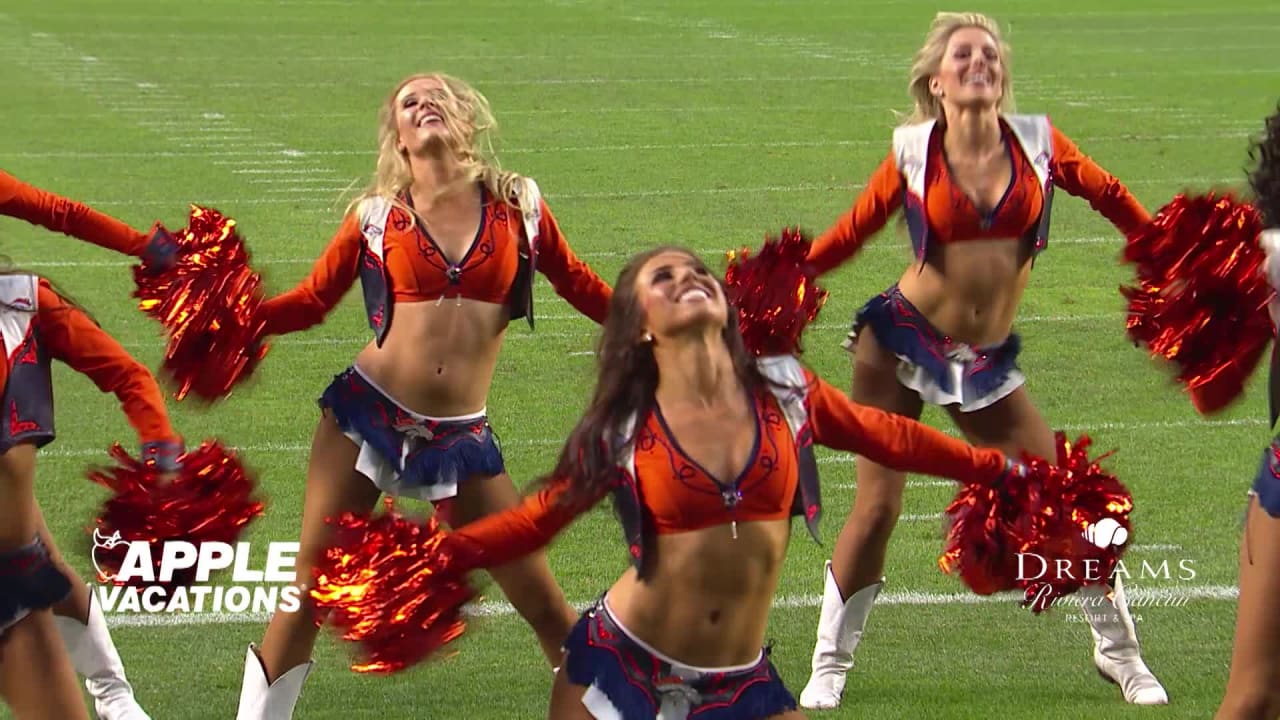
<point x="527" y="582"/>
<point x="274" y="674"/>
<point x="566" y="700"/>
<point x="36" y="678"/>
<point x="1253" y="687"/>
<point x="1014" y="424"/>
<point x="855" y="574"/>
<point x="83" y="628"/>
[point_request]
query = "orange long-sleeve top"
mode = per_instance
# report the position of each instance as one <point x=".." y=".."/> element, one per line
<point x="41" y="207"/>
<point x="418" y="270"/>
<point x="951" y="215"/>
<point x="69" y="335"/>
<point x="679" y="496"/>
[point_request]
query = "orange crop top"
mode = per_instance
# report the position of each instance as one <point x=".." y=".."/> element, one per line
<point x="39" y="207"/>
<point x="678" y="496"/>
<point x="417" y="270"/>
<point x="952" y="216"/>
<point x="64" y="332"/>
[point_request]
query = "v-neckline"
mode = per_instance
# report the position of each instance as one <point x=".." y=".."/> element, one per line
<point x="475" y="241"/>
<point x="751" y="457"/>
<point x="987" y="217"/>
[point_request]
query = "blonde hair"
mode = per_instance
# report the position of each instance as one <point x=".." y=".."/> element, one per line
<point x="465" y="112"/>
<point x="928" y="61"/>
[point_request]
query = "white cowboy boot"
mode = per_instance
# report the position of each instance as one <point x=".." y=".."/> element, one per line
<point x="94" y="657"/>
<point x="1115" y="646"/>
<point x="840" y="628"/>
<point x="275" y="701"/>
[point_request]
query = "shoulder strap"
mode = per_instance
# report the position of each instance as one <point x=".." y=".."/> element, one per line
<point x="373" y="223"/>
<point x="1035" y="135"/>
<point x="18" y="305"/>
<point x="788" y="386"/>
<point x="792" y="392"/>
<point x="910" y="151"/>
<point x="530" y="199"/>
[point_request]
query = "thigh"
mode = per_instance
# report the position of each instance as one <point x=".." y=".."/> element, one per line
<point x="333" y="487"/>
<point x="875" y="384"/>
<point x="481" y="496"/>
<point x="1255" y="663"/>
<point x="36" y="677"/>
<point x="566" y="699"/>
<point x="875" y="379"/>
<point x="1012" y="424"/>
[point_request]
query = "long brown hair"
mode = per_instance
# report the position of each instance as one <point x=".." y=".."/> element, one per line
<point x="625" y="386"/>
<point x="1264" y="179"/>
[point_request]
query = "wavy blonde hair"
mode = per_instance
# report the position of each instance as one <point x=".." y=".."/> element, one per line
<point x="928" y="61"/>
<point x="465" y="112"/>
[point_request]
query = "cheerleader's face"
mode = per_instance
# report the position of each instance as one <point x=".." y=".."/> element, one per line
<point x="971" y="71"/>
<point x="679" y="295"/>
<point x="427" y="112"/>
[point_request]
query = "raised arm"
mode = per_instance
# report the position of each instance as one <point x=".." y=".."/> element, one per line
<point x="500" y="538"/>
<point x="895" y="441"/>
<point x="331" y="277"/>
<point x="1079" y="175"/>
<point x="72" y="337"/>
<point x="878" y="201"/>
<point x="572" y="279"/>
<point x="59" y="214"/>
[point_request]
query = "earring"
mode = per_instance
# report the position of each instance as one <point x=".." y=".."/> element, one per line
<point x="648" y="338"/>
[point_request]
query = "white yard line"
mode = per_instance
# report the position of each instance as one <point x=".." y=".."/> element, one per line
<point x="1138" y="597"/>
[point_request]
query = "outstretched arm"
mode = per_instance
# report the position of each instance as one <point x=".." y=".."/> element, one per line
<point x="573" y="279"/>
<point x="894" y="440"/>
<point x="1079" y="175"/>
<point x="500" y="538"/>
<point x="72" y="337"/>
<point x="870" y="212"/>
<point x="310" y="301"/>
<point x="59" y="214"/>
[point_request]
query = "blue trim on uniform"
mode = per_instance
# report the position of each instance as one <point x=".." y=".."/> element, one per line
<point x="902" y="330"/>
<point x="603" y="655"/>
<point x="425" y="452"/>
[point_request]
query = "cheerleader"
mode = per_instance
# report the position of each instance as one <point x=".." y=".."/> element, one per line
<point x="78" y="618"/>
<point x="1253" y="686"/>
<point x="446" y="247"/>
<point x="975" y="185"/>
<point x="49" y="619"/>
<point x="708" y="454"/>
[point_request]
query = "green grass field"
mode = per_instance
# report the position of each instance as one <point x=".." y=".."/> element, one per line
<point x="705" y="123"/>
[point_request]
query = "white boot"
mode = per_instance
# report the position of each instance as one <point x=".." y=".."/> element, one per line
<point x="839" y="630"/>
<point x="94" y="657"/>
<point x="1115" y="646"/>
<point x="260" y="701"/>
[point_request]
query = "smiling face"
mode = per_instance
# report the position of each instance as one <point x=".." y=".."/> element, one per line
<point x="971" y="73"/>
<point x="428" y="112"/>
<point x="679" y="295"/>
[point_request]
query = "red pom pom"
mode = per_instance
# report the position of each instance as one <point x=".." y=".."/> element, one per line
<point x="1202" y="293"/>
<point x="1042" y="518"/>
<point x="208" y="302"/>
<point x="209" y="500"/>
<point x="775" y="293"/>
<point x="395" y="586"/>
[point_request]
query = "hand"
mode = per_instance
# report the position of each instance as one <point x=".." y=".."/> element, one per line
<point x="165" y="457"/>
<point x="161" y="253"/>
